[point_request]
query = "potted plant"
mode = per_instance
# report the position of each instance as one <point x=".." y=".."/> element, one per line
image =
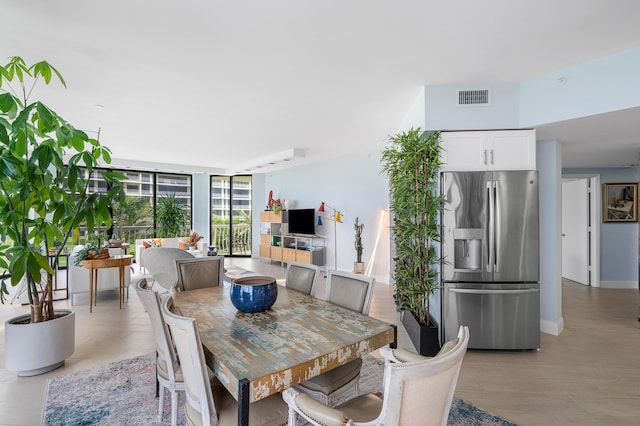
<point x="43" y="199"/>
<point x="171" y="216"/>
<point x="412" y="163"/>
<point x="358" y="265"/>
<point x="192" y="240"/>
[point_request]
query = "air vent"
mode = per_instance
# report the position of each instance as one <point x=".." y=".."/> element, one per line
<point x="473" y="97"/>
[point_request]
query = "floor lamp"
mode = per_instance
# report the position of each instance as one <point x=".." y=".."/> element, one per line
<point x="336" y="217"/>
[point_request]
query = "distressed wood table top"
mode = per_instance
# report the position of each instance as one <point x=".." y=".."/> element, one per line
<point x="299" y="338"/>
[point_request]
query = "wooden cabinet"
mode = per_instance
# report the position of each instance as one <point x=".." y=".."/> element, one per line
<point x="276" y="244"/>
<point x="489" y="150"/>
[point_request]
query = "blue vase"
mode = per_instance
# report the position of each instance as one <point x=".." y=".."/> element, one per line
<point x="254" y="294"/>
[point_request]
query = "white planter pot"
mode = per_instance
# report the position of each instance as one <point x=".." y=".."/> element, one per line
<point x="32" y="349"/>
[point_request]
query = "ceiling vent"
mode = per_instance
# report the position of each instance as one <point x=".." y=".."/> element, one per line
<point x="473" y="97"/>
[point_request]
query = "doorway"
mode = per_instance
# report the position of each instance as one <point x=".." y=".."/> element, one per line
<point x="581" y="229"/>
<point x="231" y="215"/>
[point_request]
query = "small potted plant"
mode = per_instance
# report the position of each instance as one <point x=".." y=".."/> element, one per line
<point x="358" y="265"/>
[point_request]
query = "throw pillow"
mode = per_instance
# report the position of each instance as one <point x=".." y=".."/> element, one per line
<point x="150" y="243"/>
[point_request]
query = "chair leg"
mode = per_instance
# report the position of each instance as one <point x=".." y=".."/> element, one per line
<point x="160" y="403"/>
<point x="174" y="408"/>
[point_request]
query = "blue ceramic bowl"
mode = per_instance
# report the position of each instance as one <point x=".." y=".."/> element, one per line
<point x="254" y="294"/>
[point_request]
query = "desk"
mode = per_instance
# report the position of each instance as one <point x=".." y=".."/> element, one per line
<point x="93" y="265"/>
<point x="300" y="337"/>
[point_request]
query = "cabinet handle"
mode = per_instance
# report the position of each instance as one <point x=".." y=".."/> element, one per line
<point x="492" y="162"/>
<point x="484" y="159"/>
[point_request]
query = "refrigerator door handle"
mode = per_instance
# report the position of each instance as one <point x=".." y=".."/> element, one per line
<point x="491" y="201"/>
<point x="475" y="291"/>
<point x="497" y="226"/>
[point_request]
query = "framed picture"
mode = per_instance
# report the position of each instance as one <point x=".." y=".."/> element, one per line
<point x="620" y="202"/>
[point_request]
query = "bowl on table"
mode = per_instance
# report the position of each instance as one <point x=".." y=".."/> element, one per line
<point x="256" y="293"/>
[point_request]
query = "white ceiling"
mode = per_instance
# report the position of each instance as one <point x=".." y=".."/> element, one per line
<point x="222" y="86"/>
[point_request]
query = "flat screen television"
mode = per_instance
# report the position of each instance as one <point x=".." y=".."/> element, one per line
<point x="302" y="221"/>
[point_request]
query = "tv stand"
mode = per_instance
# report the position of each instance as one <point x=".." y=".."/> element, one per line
<point x="277" y="244"/>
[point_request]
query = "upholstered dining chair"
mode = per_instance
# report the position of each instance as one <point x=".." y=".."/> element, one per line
<point x="420" y="388"/>
<point x="161" y="264"/>
<point x="199" y="272"/>
<point x="302" y="277"/>
<point x="206" y="404"/>
<point x="168" y="372"/>
<point x="353" y="292"/>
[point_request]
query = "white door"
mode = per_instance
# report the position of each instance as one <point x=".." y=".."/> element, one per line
<point x="575" y="230"/>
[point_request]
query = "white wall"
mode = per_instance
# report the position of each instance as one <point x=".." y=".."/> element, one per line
<point x="550" y="177"/>
<point x="603" y="85"/>
<point x="355" y="186"/>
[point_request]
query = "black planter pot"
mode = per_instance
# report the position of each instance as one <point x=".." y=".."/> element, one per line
<point x="425" y="338"/>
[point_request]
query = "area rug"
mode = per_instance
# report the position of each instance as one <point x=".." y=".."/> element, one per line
<point x="123" y="393"/>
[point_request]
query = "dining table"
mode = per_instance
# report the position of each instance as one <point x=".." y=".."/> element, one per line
<point x="299" y="337"/>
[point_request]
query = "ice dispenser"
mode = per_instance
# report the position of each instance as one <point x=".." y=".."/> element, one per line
<point x="467" y="249"/>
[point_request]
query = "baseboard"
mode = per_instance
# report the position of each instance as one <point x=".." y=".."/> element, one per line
<point x="551" y="327"/>
<point x="618" y="284"/>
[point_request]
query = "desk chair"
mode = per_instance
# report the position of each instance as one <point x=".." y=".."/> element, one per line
<point x="419" y="391"/>
<point x="206" y="404"/>
<point x="353" y="292"/>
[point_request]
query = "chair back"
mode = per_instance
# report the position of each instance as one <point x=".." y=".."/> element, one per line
<point x="161" y="264"/>
<point x="302" y="277"/>
<point x="194" y="369"/>
<point x="350" y="291"/>
<point x="200" y="272"/>
<point x="164" y="345"/>
<point x="423" y="389"/>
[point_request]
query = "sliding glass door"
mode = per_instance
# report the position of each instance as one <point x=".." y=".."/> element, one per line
<point x="231" y="215"/>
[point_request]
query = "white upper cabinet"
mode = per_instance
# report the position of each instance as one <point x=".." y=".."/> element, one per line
<point x="489" y="150"/>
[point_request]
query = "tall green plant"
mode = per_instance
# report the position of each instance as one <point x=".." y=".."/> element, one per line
<point x="171" y="216"/>
<point x="43" y="187"/>
<point x="412" y="163"/>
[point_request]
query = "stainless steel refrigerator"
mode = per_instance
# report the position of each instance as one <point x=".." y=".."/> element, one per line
<point x="490" y="250"/>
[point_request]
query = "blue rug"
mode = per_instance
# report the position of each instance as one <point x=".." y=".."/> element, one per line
<point x="123" y="393"/>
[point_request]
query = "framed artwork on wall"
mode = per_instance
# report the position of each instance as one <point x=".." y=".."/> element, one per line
<point x="620" y="202"/>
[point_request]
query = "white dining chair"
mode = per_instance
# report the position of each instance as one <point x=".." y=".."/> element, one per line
<point x="199" y="272"/>
<point x="418" y="391"/>
<point x="168" y="371"/>
<point x="353" y="292"/>
<point x="302" y="277"/>
<point x="206" y="404"/>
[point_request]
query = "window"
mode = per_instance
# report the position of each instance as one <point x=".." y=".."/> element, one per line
<point x="231" y="215"/>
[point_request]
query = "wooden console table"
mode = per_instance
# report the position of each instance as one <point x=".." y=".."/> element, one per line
<point x="93" y="265"/>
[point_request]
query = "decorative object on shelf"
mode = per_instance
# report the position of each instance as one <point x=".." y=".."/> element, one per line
<point x="412" y="164"/>
<point x="192" y="240"/>
<point x="212" y="251"/>
<point x="276" y="206"/>
<point x="336" y="217"/>
<point x="273" y="204"/>
<point x="358" y="265"/>
<point x="620" y="201"/>
<point x="254" y="293"/>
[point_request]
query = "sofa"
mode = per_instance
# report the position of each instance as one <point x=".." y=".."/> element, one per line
<point x="143" y="244"/>
<point x="108" y="278"/>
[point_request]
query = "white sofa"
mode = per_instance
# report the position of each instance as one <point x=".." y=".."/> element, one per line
<point x="201" y="247"/>
<point x="108" y="278"/>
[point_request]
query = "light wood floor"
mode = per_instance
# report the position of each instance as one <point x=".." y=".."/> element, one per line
<point x="589" y="375"/>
